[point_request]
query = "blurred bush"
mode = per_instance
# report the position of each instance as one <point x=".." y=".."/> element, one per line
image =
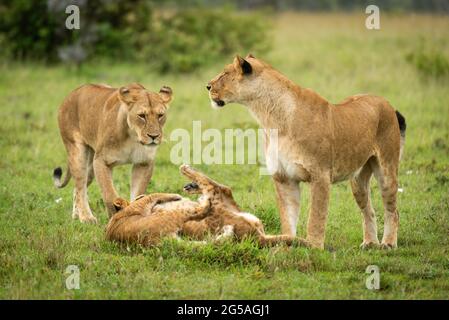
<point x="35" y="29"/>
<point x="431" y="63"/>
<point x="187" y="39"/>
<point x="171" y="40"/>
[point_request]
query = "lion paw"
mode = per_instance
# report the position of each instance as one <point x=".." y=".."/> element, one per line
<point x="366" y="245"/>
<point x="388" y="246"/>
<point x="88" y="219"/>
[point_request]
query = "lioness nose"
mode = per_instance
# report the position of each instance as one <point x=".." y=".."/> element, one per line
<point x="208" y="87"/>
<point x="154" y="136"/>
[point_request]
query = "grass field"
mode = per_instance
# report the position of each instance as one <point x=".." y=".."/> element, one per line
<point x="333" y="54"/>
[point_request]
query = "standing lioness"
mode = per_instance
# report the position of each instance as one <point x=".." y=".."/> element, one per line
<point x="320" y="143"/>
<point x="103" y="127"/>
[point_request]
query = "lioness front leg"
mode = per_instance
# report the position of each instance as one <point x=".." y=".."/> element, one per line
<point x="103" y="174"/>
<point x="316" y="225"/>
<point x="78" y="162"/>
<point x="288" y="198"/>
<point x="140" y="177"/>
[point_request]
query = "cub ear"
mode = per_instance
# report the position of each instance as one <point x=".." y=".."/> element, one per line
<point x="242" y="66"/>
<point x="166" y="93"/>
<point x="120" y="204"/>
<point x="250" y="55"/>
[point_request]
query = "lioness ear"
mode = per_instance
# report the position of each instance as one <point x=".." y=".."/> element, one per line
<point x="242" y="65"/>
<point x="166" y="94"/>
<point x="250" y="56"/>
<point x="126" y="96"/>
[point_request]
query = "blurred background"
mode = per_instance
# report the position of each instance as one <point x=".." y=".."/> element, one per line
<point x="169" y="36"/>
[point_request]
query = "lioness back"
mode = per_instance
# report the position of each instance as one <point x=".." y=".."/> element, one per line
<point x="82" y="110"/>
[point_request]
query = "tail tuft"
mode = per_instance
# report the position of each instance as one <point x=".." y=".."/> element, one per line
<point x="57" y="173"/>
<point x="57" y="176"/>
<point x="402" y="123"/>
<point x="402" y="128"/>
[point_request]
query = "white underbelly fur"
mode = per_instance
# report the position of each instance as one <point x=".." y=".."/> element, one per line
<point x="277" y="162"/>
<point x="135" y="153"/>
<point x="249" y="217"/>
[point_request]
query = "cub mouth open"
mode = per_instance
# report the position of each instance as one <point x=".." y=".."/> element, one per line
<point x="191" y="186"/>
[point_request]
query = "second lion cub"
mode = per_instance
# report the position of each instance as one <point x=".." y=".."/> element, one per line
<point x="152" y="217"/>
<point x="226" y="219"/>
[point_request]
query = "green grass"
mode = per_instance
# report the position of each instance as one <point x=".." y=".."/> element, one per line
<point x="333" y="54"/>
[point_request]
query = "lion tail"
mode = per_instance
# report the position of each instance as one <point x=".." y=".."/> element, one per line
<point x="57" y="174"/>
<point x="402" y="128"/>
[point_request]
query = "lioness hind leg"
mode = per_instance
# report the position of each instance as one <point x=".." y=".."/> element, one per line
<point x="361" y="192"/>
<point x="78" y="156"/>
<point x="386" y="174"/>
<point x="90" y="166"/>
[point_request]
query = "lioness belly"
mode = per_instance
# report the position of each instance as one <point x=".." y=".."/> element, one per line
<point x="281" y="163"/>
<point x="348" y="171"/>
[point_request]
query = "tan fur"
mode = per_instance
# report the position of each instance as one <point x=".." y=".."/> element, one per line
<point x="226" y="219"/>
<point x="151" y="218"/>
<point x="320" y="143"/>
<point x="103" y="127"/>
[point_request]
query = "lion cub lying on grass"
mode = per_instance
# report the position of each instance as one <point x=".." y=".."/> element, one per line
<point x="226" y="219"/>
<point x="150" y="218"/>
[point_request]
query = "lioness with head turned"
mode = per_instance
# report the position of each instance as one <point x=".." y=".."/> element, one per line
<point x="103" y="127"/>
<point x="320" y="143"/>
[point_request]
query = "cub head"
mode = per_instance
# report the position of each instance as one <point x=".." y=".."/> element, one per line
<point x="192" y="188"/>
<point x="202" y="184"/>
<point x="120" y="204"/>
<point x="236" y="83"/>
<point x="146" y="112"/>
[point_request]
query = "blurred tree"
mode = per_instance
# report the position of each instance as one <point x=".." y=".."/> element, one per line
<point x="35" y="29"/>
<point x="177" y="37"/>
<point x="172" y="41"/>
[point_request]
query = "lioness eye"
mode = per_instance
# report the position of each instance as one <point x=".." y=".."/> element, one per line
<point x="141" y="116"/>
<point x="160" y="115"/>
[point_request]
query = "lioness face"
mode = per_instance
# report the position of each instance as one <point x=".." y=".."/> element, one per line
<point x="146" y="112"/>
<point x="234" y="84"/>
